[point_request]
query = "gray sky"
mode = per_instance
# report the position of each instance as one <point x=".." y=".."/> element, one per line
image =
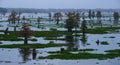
<point x="89" y="4"/>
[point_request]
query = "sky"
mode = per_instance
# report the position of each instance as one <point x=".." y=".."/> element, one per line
<point x="61" y="4"/>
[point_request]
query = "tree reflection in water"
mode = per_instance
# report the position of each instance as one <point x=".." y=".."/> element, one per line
<point x="116" y="17"/>
<point x="34" y="54"/>
<point x="116" y="22"/>
<point x="84" y="40"/>
<point x="73" y="42"/>
<point x="26" y="52"/>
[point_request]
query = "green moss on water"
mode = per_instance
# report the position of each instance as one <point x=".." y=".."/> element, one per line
<point x="31" y="45"/>
<point x="41" y="33"/>
<point x="56" y="33"/>
<point x="116" y="51"/>
<point x="51" y="42"/>
<point x="54" y="38"/>
<point x="53" y="29"/>
<point x="10" y="38"/>
<point x="96" y="31"/>
<point x="88" y="49"/>
<point x="51" y="33"/>
<point x="103" y="30"/>
<point x="83" y="55"/>
<point x="73" y="50"/>
<point x="13" y="36"/>
<point x="32" y="39"/>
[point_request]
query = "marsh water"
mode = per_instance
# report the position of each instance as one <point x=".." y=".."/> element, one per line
<point x="31" y="56"/>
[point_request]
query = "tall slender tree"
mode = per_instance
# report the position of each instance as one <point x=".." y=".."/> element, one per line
<point x="23" y="19"/>
<point x="38" y="20"/>
<point x="90" y="14"/>
<point x="70" y="22"/>
<point x="25" y="32"/>
<point x="116" y="17"/>
<point x="99" y="15"/>
<point x="57" y="17"/>
<point x="84" y="27"/>
<point x="50" y="15"/>
<point x="76" y="20"/>
<point x="93" y="14"/>
<point x="12" y="17"/>
<point x="18" y="19"/>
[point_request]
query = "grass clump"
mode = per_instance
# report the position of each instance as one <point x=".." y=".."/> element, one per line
<point x="0" y="42"/>
<point x="112" y="37"/>
<point x="104" y="43"/>
<point x="32" y="39"/>
<point x="118" y="43"/>
<point x="88" y="49"/>
<point x="51" y="42"/>
<point x="53" y="29"/>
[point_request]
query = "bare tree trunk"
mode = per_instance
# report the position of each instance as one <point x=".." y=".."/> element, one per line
<point x="25" y="40"/>
<point x="38" y="25"/>
<point x="69" y="29"/>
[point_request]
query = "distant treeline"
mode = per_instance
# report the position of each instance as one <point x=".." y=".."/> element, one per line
<point x="32" y="10"/>
<point x="3" y="10"/>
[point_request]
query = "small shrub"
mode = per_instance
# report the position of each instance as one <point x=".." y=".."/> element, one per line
<point x="104" y="43"/>
<point x="111" y="37"/>
<point x="53" y="29"/>
<point x="51" y="42"/>
<point x="118" y="43"/>
<point x="33" y="39"/>
<point x="0" y="42"/>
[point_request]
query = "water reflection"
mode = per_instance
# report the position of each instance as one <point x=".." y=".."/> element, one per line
<point x="84" y="40"/>
<point x="91" y="23"/>
<point x="76" y="41"/>
<point x="26" y="52"/>
<point x="34" y="54"/>
<point x="72" y="41"/>
<point x="116" y="22"/>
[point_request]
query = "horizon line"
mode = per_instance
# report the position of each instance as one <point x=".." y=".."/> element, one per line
<point x="57" y="8"/>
